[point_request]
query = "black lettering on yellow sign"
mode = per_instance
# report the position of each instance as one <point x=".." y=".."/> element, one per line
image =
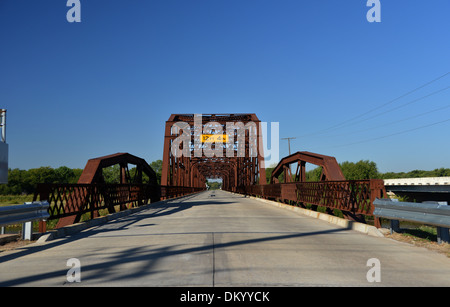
<point x="211" y="138"/>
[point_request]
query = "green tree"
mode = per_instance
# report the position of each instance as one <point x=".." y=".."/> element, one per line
<point x="269" y="171"/>
<point x="314" y="174"/>
<point x="441" y="172"/>
<point x="76" y="175"/>
<point x="157" y="167"/>
<point x="44" y="174"/>
<point x="214" y="185"/>
<point x="360" y="170"/>
<point x="111" y="174"/>
<point x="438" y="172"/>
<point x="16" y="180"/>
<point x="63" y="174"/>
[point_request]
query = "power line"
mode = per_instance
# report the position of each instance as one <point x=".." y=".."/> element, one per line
<point x="400" y="106"/>
<point x="385" y="104"/>
<point x="392" y="134"/>
<point x="400" y="97"/>
<point x="397" y="121"/>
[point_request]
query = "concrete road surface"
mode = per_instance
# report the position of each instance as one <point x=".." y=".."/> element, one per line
<point x="221" y="239"/>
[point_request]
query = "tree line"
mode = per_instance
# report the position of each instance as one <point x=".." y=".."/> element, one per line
<point x="214" y="185"/>
<point x="365" y="169"/>
<point x="25" y="181"/>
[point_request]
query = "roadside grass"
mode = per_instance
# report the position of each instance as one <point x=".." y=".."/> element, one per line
<point x="6" y="200"/>
<point x="422" y="237"/>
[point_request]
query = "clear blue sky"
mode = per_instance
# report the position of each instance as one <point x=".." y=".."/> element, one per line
<point x="75" y="91"/>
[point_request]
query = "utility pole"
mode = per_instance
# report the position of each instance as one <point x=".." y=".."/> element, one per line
<point x="289" y="143"/>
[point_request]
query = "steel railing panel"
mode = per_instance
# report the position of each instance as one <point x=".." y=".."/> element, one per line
<point x="68" y="202"/>
<point x="353" y="197"/>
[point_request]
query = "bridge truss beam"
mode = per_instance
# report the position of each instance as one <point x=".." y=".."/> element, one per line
<point x="189" y="161"/>
<point x="330" y="167"/>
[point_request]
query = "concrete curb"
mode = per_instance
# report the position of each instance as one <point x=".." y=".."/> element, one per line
<point x="361" y="227"/>
<point x="75" y="228"/>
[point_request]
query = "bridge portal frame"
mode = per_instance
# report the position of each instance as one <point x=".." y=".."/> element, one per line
<point x="241" y="168"/>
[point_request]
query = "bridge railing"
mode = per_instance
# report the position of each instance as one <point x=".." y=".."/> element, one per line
<point x="353" y="197"/>
<point x="176" y="191"/>
<point x="68" y="202"/>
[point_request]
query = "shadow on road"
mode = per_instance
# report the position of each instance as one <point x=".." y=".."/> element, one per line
<point x="145" y="255"/>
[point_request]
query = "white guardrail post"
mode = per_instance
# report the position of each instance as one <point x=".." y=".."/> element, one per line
<point x="24" y="214"/>
<point x="428" y="213"/>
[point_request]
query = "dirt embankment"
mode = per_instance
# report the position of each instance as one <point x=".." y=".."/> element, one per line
<point x="443" y="248"/>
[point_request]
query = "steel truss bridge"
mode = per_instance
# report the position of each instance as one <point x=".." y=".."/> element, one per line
<point x="197" y="147"/>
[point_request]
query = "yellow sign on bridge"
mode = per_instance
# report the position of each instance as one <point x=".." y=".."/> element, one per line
<point x="212" y="138"/>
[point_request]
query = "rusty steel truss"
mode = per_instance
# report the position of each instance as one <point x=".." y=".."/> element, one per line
<point x="202" y="146"/>
<point x="70" y="202"/>
<point x="237" y="158"/>
<point x="93" y="171"/>
<point x="330" y="167"/>
<point x="354" y="198"/>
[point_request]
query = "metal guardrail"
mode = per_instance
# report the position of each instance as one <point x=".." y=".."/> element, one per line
<point x="434" y="214"/>
<point x="25" y="214"/>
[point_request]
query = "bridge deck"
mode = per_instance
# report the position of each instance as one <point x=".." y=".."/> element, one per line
<point x="225" y="240"/>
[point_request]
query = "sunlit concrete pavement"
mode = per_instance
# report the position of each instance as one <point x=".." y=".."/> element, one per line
<point x="222" y="240"/>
